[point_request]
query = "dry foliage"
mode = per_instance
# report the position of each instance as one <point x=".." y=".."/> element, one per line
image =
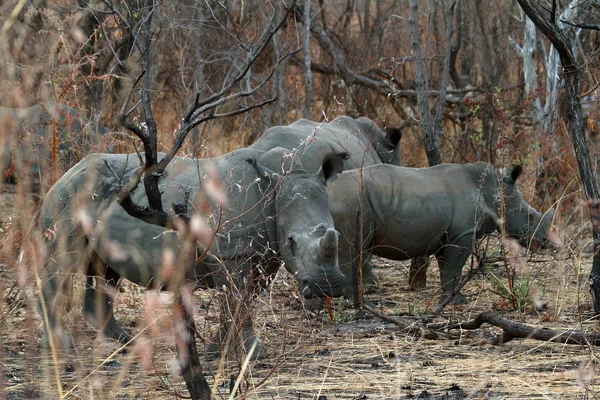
<point x="310" y="355"/>
<point x="49" y="55"/>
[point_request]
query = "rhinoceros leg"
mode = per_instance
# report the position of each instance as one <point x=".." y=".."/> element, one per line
<point x="56" y="293"/>
<point x="65" y="254"/>
<point x="370" y="279"/>
<point x="350" y="248"/>
<point x="97" y="305"/>
<point x="451" y="260"/>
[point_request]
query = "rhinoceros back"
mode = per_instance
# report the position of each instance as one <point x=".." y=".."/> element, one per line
<point x="411" y="212"/>
<point x="314" y="140"/>
<point x="134" y="248"/>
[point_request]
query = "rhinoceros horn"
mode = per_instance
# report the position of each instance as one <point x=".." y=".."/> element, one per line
<point x="329" y="243"/>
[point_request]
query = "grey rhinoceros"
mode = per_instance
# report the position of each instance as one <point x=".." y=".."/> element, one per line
<point x="440" y="210"/>
<point x="26" y="138"/>
<point x="361" y="138"/>
<point x="273" y="213"/>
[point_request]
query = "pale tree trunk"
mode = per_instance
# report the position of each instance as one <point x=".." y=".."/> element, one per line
<point x="528" y="60"/>
<point x="431" y="125"/>
<point x="548" y="119"/>
<point x="307" y="60"/>
<point x="553" y="73"/>
<point x="526" y="51"/>
<point x="576" y="125"/>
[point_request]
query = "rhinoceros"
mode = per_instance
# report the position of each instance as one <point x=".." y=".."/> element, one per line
<point x="361" y="138"/>
<point x="440" y="210"/>
<point x="274" y="213"/>
<point x="26" y="135"/>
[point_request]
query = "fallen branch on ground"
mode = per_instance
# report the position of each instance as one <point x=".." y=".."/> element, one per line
<point x="410" y="327"/>
<point x="512" y="330"/>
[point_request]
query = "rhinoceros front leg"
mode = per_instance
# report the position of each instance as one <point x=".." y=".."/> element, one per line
<point x="370" y="279"/>
<point x="451" y="260"/>
<point x="97" y="305"/>
<point x="352" y="252"/>
<point x="56" y="293"/>
<point x="349" y="267"/>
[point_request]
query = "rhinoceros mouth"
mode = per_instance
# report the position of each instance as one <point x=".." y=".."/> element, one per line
<point x="311" y="290"/>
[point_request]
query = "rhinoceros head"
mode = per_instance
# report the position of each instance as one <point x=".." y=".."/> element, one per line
<point x="522" y="221"/>
<point x="307" y="240"/>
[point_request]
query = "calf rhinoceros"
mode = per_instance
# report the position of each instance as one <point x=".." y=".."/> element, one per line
<point x="361" y="138"/>
<point x="268" y="218"/>
<point x="440" y="210"/>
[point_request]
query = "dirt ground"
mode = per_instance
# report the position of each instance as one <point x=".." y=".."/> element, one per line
<point x="312" y="357"/>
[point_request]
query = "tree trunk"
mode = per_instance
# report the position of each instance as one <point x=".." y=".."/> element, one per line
<point x="576" y="126"/>
<point x="187" y="354"/>
<point x="430" y="134"/>
<point x="191" y="368"/>
<point x="552" y="76"/>
<point x="431" y="126"/>
<point x="307" y="61"/>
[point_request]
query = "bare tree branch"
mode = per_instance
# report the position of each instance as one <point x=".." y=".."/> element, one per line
<point x="340" y="62"/>
<point x="202" y="106"/>
<point x="595" y="27"/>
<point x="393" y="92"/>
<point x="153" y="167"/>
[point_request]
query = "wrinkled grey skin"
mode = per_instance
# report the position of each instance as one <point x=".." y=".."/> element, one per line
<point x="26" y="135"/>
<point x="361" y="138"/>
<point x="273" y="219"/>
<point x="441" y="211"/>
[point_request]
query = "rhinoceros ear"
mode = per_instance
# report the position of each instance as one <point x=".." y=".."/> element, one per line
<point x="332" y="165"/>
<point x="516" y="172"/>
<point x="263" y="171"/>
<point x="393" y="136"/>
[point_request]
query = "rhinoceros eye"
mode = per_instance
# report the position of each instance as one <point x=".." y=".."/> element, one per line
<point x="291" y="244"/>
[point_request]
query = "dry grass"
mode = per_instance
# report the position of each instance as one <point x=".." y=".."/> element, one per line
<point x="312" y="357"/>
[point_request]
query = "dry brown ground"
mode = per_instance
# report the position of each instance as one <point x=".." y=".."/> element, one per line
<point x="312" y="357"/>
